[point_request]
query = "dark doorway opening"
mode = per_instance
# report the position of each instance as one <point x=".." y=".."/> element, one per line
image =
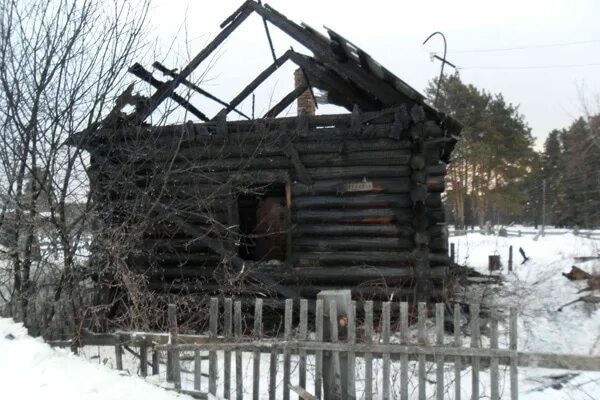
<point x="263" y="221"/>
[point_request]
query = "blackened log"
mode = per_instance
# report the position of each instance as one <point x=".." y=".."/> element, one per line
<point x="361" y="258"/>
<point x="365" y="216"/>
<point x="401" y="185"/>
<point x="359" y="172"/>
<point x="366" y="200"/>
<point x="352" y="243"/>
<point x="321" y="230"/>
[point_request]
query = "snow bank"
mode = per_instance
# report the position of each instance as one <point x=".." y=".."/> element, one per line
<point x="30" y="369"/>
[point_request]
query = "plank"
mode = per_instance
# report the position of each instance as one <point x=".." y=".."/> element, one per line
<point x="155" y="362"/>
<point x="458" y="344"/>
<point x="404" y="357"/>
<point x="475" y="364"/>
<point x="287" y="335"/>
<point x="368" y="327"/>
<point x="228" y="333"/>
<point x="213" y="326"/>
<point x="119" y="356"/>
<point x="514" y="377"/>
<point x="197" y="370"/>
<point x="494" y="371"/>
<point x="421" y="317"/>
<point x="303" y="335"/>
<point x="173" y="367"/>
<point x="385" y="334"/>
<point x="237" y="326"/>
<point x="258" y="334"/>
<point x="144" y="359"/>
<point x="351" y="370"/>
<point x="318" y="354"/>
<point x="439" y="369"/>
<point x="336" y="385"/>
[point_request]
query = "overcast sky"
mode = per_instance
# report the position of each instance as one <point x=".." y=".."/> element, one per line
<point x="554" y="47"/>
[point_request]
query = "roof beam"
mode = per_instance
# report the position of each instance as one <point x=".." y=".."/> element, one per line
<point x="195" y="87"/>
<point x="321" y="48"/>
<point x="254" y="84"/>
<point x="169" y="87"/>
<point x="145" y="75"/>
<point x="286" y="101"/>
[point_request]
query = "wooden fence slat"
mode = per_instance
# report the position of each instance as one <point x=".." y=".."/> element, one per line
<point x="237" y="326"/>
<point x="228" y="333"/>
<point x="173" y="354"/>
<point x="319" y="354"/>
<point x="385" y="333"/>
<point x="144" y="359"/>
<point x="457" y="360"/>
<point x="368" y="324"/>
<point x="404" y="357"/>
<point x="335" y="355"/>
<point x="350" y="374"/>
<point x="287" y="335"/>
<point x="422" y="307"/>
<point x="155" y="362"/>
<point x="474" y="312"/>
<point x="119" y="356"/>
<point x="213" y="326"/>
<point x="494" y="387"/>
<point x="439" y="369"/>
<point x="273" y="374"/>
<point x="514" y="376"/>
<point x="303" y="335"/>
<point x="258" y="334"/>
<point x="197" y="369"/>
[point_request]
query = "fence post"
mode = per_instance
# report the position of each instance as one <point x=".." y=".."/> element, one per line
<point x="452" y="252"/>
<point x="336" y="302"/>
<point x="510" y="259"/>
<point x="173" y="369"/>
<point x="144" y="358"/>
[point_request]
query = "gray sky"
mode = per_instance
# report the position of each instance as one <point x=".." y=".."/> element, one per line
<point x="543" y="80"/>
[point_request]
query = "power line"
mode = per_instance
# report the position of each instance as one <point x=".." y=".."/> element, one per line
<point x="559" y="66"/>
<point x="526" y="47"/>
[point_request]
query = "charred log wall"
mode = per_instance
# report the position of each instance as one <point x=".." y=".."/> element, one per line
<point x="363" y="193"/>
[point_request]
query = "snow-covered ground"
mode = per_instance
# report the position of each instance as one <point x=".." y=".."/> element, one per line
<point x="32" y="370"/>
<point x="29" y="369"/>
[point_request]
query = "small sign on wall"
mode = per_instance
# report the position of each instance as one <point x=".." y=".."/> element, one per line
<point x="363" y="186"/>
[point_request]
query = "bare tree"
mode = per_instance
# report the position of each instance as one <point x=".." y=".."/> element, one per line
<point x="61" y="63"/>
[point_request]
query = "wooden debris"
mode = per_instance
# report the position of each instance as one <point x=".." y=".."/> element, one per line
<point x="577" y="274"/>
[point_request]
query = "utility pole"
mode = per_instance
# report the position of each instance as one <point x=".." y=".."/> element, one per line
<point x="543" y="206"/>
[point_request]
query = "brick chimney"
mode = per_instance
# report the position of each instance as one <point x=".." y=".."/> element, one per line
<point x="306" y="104"/>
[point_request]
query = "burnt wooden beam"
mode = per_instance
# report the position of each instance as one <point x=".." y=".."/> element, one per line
<point x="286" y="101"/>
<point x="292" y="153"/>
<point x="168" y="88"/>
<point x="145" y="75"/>
<point x="193" y="86"/>
<point x="339" y="91"/>
<point x="321" y="47"/>
<point x="268" y="35"/>
<point x="254" y="84"/>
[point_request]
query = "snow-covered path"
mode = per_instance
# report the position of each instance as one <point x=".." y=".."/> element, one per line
<point x="32" y="370"/>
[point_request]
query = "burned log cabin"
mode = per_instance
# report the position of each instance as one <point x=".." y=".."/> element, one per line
<point x="281" y="206"/>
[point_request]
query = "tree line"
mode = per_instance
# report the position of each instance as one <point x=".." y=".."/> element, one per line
<point x="497" y="175"/>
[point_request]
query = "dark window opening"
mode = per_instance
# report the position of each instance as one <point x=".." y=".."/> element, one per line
<point x="263" y="216"/>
